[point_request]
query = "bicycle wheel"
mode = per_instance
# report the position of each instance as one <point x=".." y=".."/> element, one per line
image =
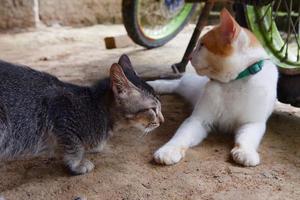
<point x="277" y="27"/>
<point x="152" y="23"/>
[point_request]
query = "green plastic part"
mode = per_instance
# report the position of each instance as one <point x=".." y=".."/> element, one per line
<point x="264" y="27"/>
<point x="252" y="69"/>
<point x="169" y="27"/>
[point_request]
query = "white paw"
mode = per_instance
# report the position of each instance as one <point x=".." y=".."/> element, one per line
<point x="169" y="154"/>
<point x="85" y="166"/>
<point x="243" y="156"/>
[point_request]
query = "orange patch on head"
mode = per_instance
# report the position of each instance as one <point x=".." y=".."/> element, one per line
<point x="216" y="44"/>
<point x="219" y="40"/>
<point x="220" y="44"/>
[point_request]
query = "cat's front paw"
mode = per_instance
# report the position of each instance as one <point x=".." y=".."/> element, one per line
<point x="243" y="156"/>
<point x="169" y="154"/>
<point x="85" y="166"/>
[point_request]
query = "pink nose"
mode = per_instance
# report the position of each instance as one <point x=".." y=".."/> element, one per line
<point x="161" y="118"/>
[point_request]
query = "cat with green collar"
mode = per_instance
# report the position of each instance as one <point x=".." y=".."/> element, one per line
<point x="233" y="91"/>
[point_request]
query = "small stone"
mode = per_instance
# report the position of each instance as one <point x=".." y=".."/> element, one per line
<point x="146" y="185"/>
<point x="267" y="175"/>
<point x="216" y="176"/>
<point x="239" y="170"/>
<point x="186" y="172"/>
<point x="80" y="198"/>
<point x="43" y="59"/>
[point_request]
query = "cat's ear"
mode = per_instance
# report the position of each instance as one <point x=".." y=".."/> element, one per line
<point x="120" y="84"/>
<point x="229" y="27"/>
<point x="125" y="63"/>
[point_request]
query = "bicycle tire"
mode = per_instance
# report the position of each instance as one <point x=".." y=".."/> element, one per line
<point x="135" y="32"/>
<point x="244" y="16"/>
<point x="288" y="89"/>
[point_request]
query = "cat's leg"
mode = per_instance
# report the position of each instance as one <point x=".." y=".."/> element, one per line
<point x="247" y="140"/>
<point x="190" y="133"/>
<point x="73" y="155"/>
<point x="164" y="86"/>
<point x="98" y="148"/>
<point x="190" y="86"/>
<point x="74" y="159"/>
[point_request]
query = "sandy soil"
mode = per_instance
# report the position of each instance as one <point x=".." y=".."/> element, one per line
<point x="125" y="169"/>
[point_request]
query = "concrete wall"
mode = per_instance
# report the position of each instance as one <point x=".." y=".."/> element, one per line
<point x="16" y="13"/>
<point x="31" y="13"/>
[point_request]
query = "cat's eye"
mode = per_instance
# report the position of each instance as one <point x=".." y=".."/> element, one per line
<point x="154" y="110"/>
<point x="141" y="111"/>
<point x="146" y="110"/>
<point x="200" y="45"/>
<point x="129" y="116"/>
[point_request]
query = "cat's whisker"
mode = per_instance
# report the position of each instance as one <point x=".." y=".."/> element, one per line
<point x="143" y="135"/>
<point x="146" y="131"/>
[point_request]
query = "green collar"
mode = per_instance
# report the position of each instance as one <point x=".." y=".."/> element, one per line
<point x="252" y="69"/>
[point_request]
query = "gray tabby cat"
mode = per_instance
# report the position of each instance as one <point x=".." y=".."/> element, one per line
<point x="41" y="115"/>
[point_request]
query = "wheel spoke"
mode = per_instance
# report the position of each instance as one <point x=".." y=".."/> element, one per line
<point x="277" y="9"/>
<point x="288" y="7"/>
<point x="264" y="15"/>
<point x="271" y="25"/>
<point x="277" y="26"/>
<point x="298" y="21"/>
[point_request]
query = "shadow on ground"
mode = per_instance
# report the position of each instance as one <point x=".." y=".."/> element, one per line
<point x="125" y="169"/>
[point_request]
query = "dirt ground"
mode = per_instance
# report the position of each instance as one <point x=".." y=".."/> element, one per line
<point x="125" y="169"/>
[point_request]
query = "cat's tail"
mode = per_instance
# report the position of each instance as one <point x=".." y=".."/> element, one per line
<point x="189" y="86"/>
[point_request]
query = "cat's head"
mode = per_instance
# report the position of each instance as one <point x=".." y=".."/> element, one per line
<point x="135" y="100"/>
<point x="226" y="50"/>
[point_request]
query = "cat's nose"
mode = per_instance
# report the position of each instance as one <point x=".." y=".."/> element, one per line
<point x="190" y="56"/>
<point x="161" y="118"/>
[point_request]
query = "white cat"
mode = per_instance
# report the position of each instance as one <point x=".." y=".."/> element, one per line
<point x="232" y="93"/>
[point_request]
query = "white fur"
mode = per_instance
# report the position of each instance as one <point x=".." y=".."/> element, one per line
<point x="241" y="106"/>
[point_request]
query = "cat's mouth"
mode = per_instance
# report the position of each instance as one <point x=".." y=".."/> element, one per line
<point x="151" y="127"/>
<point x="202" y="70"/>
<point x="146" y="128"/>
